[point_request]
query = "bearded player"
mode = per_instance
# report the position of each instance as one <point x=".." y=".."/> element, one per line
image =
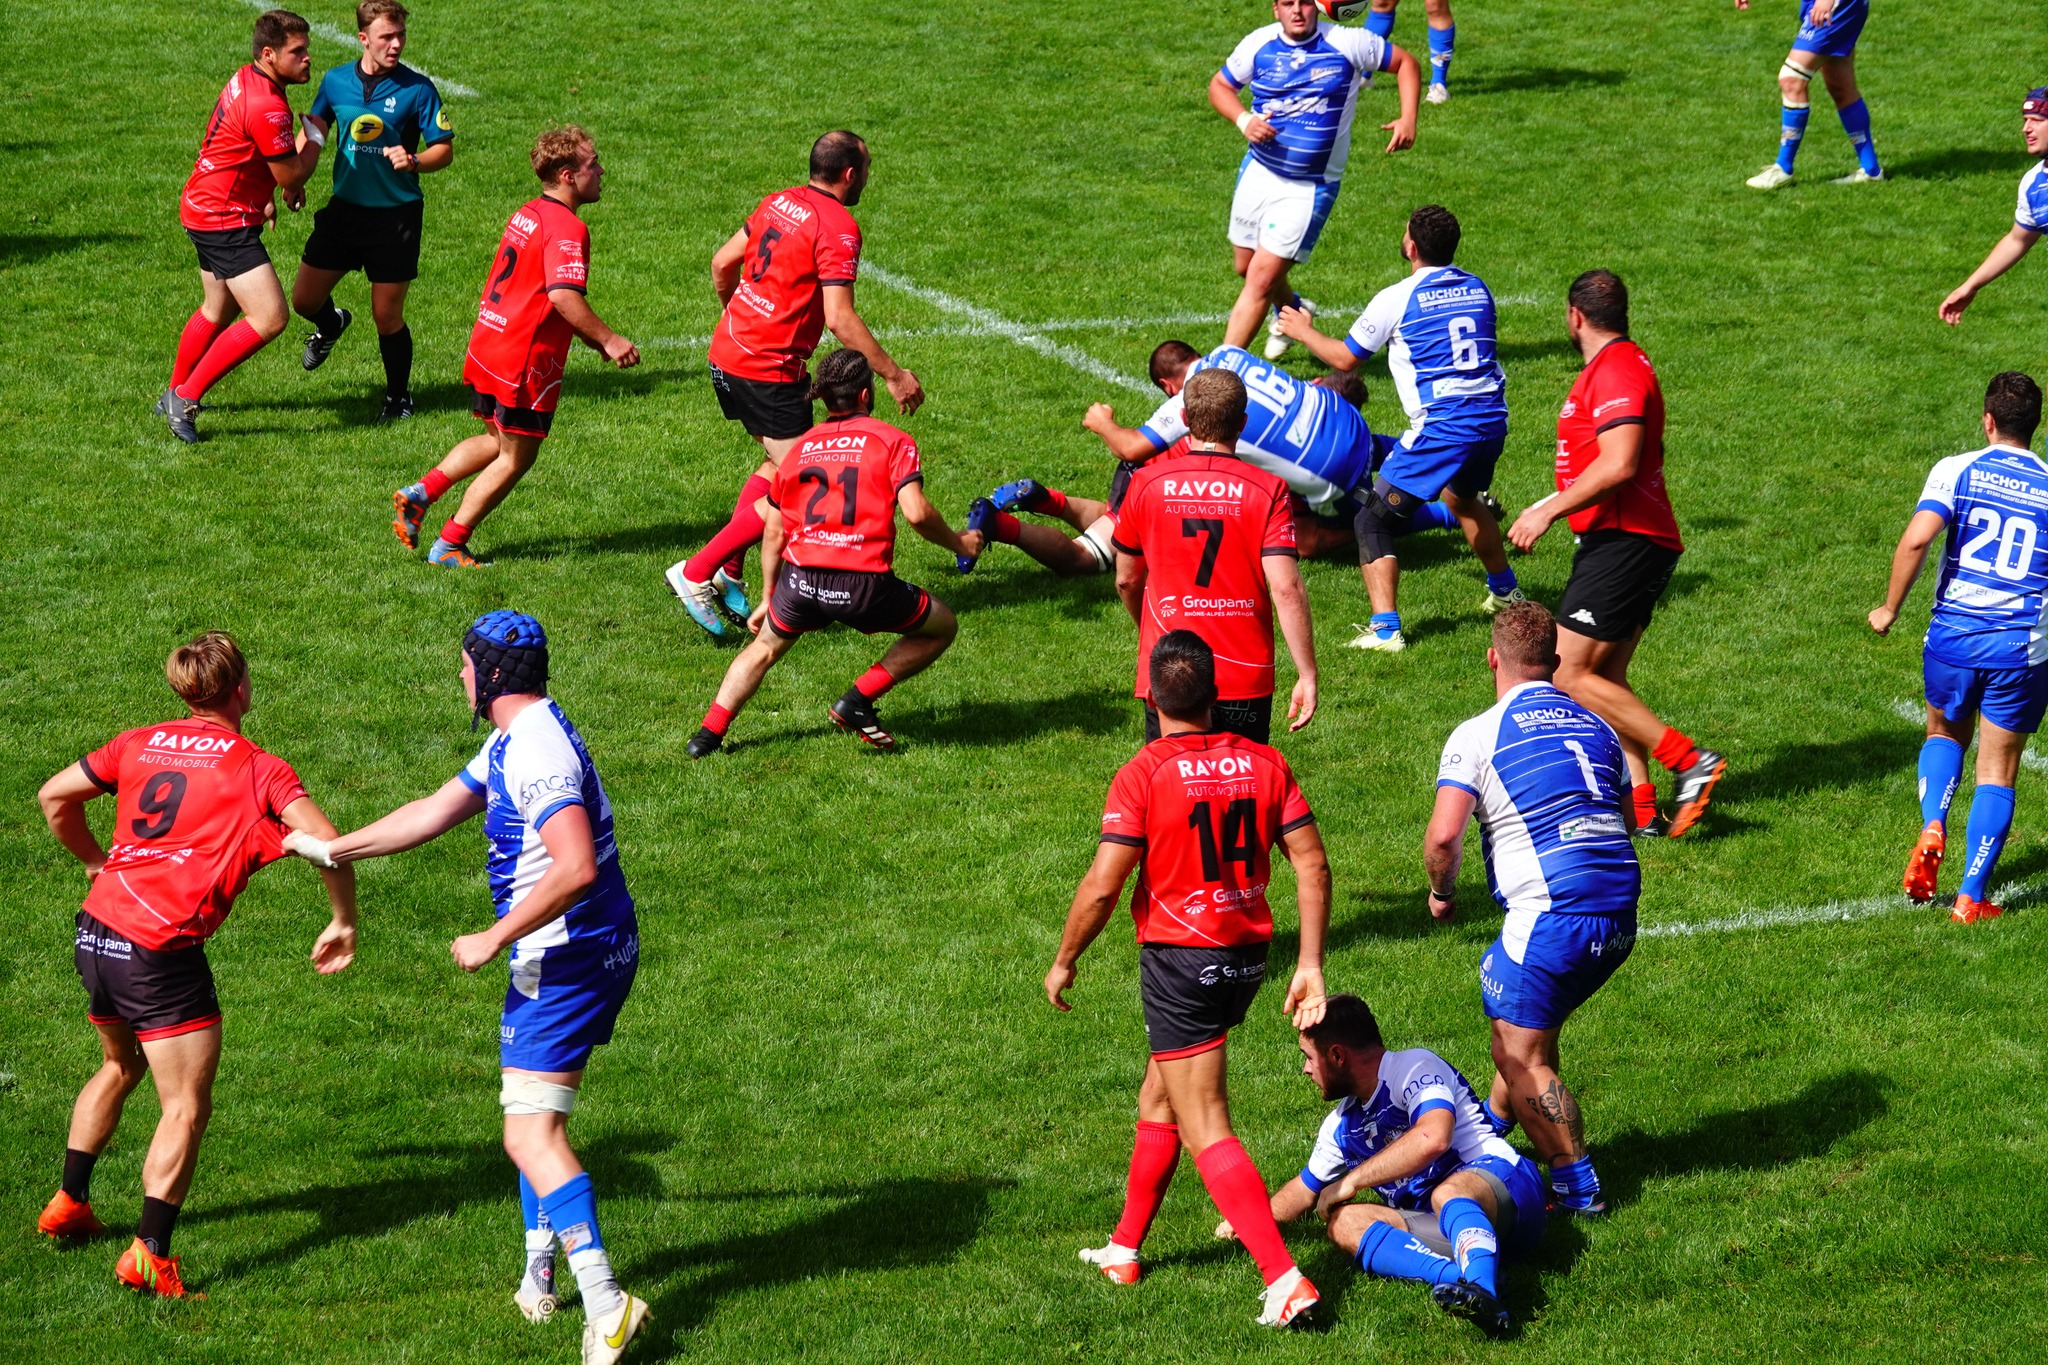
<point x="198" y="808"/>
<point x="533" y="307"/>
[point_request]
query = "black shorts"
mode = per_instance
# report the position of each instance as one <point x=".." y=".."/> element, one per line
<point x="1120" y="484"/>
<point x="779" y="409"/>
<point x="157" y="992"/>
<point x="383" y="243"/>
<point x="1194" y="997"/>
<point x="488" y="407"/>
<point x="1617" y="577"/>
<point x="1252" y="718"/>
<point x="872" y="603"/>
<point x="229" y="253"/>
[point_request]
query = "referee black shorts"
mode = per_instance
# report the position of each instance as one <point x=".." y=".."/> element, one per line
<point x="383" y="243"/>
<point x="1617" y="577"/>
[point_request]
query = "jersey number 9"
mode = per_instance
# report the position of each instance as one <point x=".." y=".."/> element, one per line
<point x="161" y="797"/>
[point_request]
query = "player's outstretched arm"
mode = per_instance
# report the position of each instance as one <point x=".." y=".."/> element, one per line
<point x="725" y="266"/>
<point x="412" y="824"/>
<point x="2004" y="256"/>
<point x="1408" y="79"/>
<point x="1290" y="1202"/>
<point x="930" y="523"/>
<point x="1620" y="449"/>
<point x="1126" y="443"/>
<point x="1907" y="560"/>
<point x="583" y="319"/>
<point x="63" y="800"/>
<point x="1305" y="991"/>
<point x="1094" y="902"/>
<point x="1409" y="1154"/>
<point x="1290" y="604"/>
<point x="336" y="946"/>
<point x="1296" y="324"/>
<point x="1224" y="99"/>
<point x="1443" y="849"/>
<point x="852" y="330"/>
<point x="572" y="867"/>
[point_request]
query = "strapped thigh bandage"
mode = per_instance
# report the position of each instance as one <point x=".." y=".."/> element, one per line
<point x="523" y="1094"/>
<point x="1795" y="71"/>
<point x="1095" y="540"/>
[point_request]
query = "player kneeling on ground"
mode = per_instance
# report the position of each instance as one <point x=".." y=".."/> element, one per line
<point x="1196" y="814"/>
<point x="1410" y="1129"/>
<point x="564" y="911"/>
<point x="197" y="809"/>
<point x="828" y="554"/>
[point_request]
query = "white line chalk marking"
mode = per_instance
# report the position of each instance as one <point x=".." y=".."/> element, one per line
<point x="348" y="40"/>
<point x="1031" y="339"/>
<point x="1867" y="908"/>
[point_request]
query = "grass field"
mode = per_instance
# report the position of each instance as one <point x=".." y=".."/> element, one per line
<point x="839" y="1121"/>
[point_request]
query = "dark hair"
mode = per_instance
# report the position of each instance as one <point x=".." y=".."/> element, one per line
<point x="836" y="153"/>
<point x="1526" y="636"/>
<point x="275" y="27"/>
<point x="842" y="376"/>
<point x="1169" y="358"/>
<point x="1214" y="405"/>
<point x="1347" y="1022"/>
<point x="1183" y="675"/>
<point x="1603" y="298"/>
<point x="1434" y="230"/>
<point x="1346" y="384"/>
<point x="2014" y="403"/>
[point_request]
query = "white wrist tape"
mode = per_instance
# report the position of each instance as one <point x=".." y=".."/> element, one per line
<point x="312" y="132"/>
<point x="522" y="1094"/>
<point x="314" y="851"/>
<point x="1245" y="118"/>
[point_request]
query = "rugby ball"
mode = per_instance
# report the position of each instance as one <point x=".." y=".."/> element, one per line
<point x="1344" y="10"/>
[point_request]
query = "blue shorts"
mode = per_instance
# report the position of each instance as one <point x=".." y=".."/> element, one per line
<point x="1837" y="37"/>
<point x="1565" y="958"/>
<point x="562" y="1001"/>
<point x="2010" y="698"/>
<point x="1531" y="1200"/>
<point x="1458" y="456"/>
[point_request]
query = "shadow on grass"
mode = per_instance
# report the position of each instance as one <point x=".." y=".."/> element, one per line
<point x="1958" y="162"/>
<point x="27" y="248"/>
<point x="982" y="724"/>
<point x="1018" y="580"/>
<point x="1873" y="756"/>
<point x="1536" y="350"/>
<point x="1539" y="78"/>
<point x="669" y="536"/>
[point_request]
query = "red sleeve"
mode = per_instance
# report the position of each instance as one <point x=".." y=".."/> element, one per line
<point x="268" y="120"/>
<point x="1126" y="534"/>
<point x="565" y="257"/>
<point x="103" y="765"/>
<point x="1123" y="815"/>
<point x="1294" y="811"/>
<point x="838" y="250"/>
<point x="277" y="786"/>
<point x="1279" y="536"/>
<point x="1620" y="393"/>
<point x="905" y="465"/>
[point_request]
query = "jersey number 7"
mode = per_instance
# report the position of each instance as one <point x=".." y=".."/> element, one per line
<point x="1211" y="529"/>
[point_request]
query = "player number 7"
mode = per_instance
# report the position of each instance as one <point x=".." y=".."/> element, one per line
<point x="1211" y="529"/>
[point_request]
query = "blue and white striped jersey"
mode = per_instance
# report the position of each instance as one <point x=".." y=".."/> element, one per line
<point x="1989" y="605"/>
<point x="1412" y="1082"/>
<point x="1438" y="328"/>
<point x="1552" y="786"/>
<point x="527" y="775"/>
<point x="1308" y="91"/>
<point x="1309" y="435"/>
<point x="2032" y="213"/>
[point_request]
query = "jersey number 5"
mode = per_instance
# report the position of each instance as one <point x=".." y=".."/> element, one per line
<point x="1240" y="841"/>
<point x="765" y="251"/>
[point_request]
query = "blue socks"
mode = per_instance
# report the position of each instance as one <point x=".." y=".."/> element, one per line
<point x="572" y="1212"/>
<point x="1990" y="822"/>
<point x="1388" y="1251"/>
<point x="1576" y="1182"/>
<point x="1941" y="767"/>
<point x="1502" y="583"/>
<point x="1433" y="516"/>
<point x="1471" y="1235"/>
<point x="1440" y="40"/>
<point x="1501" y="1125"/>
<point x="1385" y="623"/>
<point x="1790" y="134"/>
<point x="1856" y="123"/>
<point x="1379" y="24"/>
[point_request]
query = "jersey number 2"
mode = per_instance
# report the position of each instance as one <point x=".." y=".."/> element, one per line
<point x="511" y="259"/>
<point x="1240" y="841"/>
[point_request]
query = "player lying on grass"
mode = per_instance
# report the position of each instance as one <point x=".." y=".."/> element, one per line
<point x="198" y="808"/>
<point x="1196" y="815"/>
<point x="1825" y="43"/>
<point x="828" y="553"/>
<point x="1986" y="653"/>
<point x="533" y="308"/>
<point x="564" y="911"/>
<point x="1408" y="1128"/>
<point x="2030" y="219"/>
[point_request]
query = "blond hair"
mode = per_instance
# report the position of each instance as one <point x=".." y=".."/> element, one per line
<point x="370" y="11"/>
<point x="559" y="149"/>
<point x="207" y="672"/>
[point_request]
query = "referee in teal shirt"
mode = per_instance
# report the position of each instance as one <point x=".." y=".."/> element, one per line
<point x="391" y="129"/>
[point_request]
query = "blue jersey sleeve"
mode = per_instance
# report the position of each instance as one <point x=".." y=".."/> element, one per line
<point x="322" y="107"/>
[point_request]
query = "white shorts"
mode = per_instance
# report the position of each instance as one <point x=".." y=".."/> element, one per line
<point x="1271" y="213"/>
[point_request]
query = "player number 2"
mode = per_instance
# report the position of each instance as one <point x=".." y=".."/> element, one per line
<point x="2016" y="537"/>
<point x="511" y="259"/>
<point x="849" y="494"/>
<point x="1464" y="350"/>
<point x="1240" y="841"/>
<point x="161" y="797"/>
<point x="1211" y="531"/>
<point x="1585" y="765"/>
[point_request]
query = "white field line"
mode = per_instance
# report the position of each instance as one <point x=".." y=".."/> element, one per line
<point x="1031" y="339"/>
<point x="1914" y="713"/>
<point x="1834" y="911"/>
<point x="348" y="40"/>
<point x="982" y="331"/>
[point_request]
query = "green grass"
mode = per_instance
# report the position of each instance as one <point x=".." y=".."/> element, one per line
<point x="839" y="1121"/>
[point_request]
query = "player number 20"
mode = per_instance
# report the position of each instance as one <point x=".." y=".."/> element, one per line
<point x="2016" y="537"/>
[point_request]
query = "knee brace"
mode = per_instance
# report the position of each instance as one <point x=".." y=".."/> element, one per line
<point x="521" y="1094"/>
<point x="1792" y="70"/>
<point x="1385" y="514"/>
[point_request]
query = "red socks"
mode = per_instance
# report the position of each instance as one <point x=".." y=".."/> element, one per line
<point x="1675" y="751"/>
<point x="717" y="720"/>
<point x="228" y="350"/>
<point x="1004" y="528"/>
<point x="1153" y="1160"/>
<point x="743" y="530"/>
<point x="1646" y="803"/>
<point x="199" y="334"/>
<point x="1240" y="1195"/>
<point x="455" y="533"/>
<point x="436" y="483"/>
<point x="1054" y="503"/>
<point x="874" y="682"/>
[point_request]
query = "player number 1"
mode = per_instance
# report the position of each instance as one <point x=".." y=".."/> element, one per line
<point x="1585" y="765"/>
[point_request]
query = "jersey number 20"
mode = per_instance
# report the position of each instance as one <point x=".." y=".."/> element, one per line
<point x="2016" y="537"/>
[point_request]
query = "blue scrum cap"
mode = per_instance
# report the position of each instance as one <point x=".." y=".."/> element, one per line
<point x="510" y="653"/>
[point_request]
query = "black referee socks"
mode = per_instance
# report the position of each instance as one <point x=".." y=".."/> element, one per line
<point x="396" y="348"/>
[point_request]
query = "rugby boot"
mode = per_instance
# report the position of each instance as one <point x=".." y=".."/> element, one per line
<point x="69" y="1218"/>
<point x="397" y="407"/>
<point x="703" y="744"/>
<point x="732" y="595"/>
<point x="1656" y="827"/>
<point x="1770" y="177"/>
<point x="1439" y="94"/>
<point x="1276" y="345"/>
<point x="1287" y="1300"/>
<point x="979" y="514"/>
<point x="1028" y="494"/>
<point x="1117" y="1264"/>
<point x="178" y="412"/>
<point x="699" y="599"/>
<point x="855" y="714"/>
<point x="1859" y="176"/>
<point x="1493" y="505"/>
<point x="1463" y="1299"/>
<point x="605" y="1339"/>
<point x="320" y="344"/>
<point x="1393" y="642"/>
<point x="535" y="1298"/>
<point x="149" y="1274"/>
<point x="1968" y="911"/>
<point x="1923" y="868"/>
<point x="1694" y="786"/>
<point x="1495" y="602"/>
<point x="453" y="556"/>
<point x="409" y="508"/>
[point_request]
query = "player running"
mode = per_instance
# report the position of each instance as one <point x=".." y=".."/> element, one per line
<point x="2030" y="219"/>
<point x="1196" y="814"/>
<point x="1438" y="328"/>
<point x="533" y="307"/>
<point x="1826" y="42"/>
<point x="198" y="808"/>
<point x="1443" y="34"/>
<point x="1549" y="783"/>
<point x="1305" y="74"/>
<point x="1987" y="641"/>
<point x="828" y="554"/>
<point x="564" y="911"/>
<point x="246" y="155"/>
<point x="782" y="279"/>
<point x="1610" y="487"/>
<point x="1409" y="1128"/>
<point x="1205" y="543"/>
<point x="397" y="132"/>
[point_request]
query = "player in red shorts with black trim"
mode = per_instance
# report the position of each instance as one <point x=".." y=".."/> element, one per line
<point x="197" y="809"/>
<point x="782" y="279"/>
<point x="246" y="155"/>
<point x="533" y="308"/>
<point x="1196" y="814"/>
<point x="1610" y="485"/>
<point x="828" y="554"/>
<point x="1205" y="542"/>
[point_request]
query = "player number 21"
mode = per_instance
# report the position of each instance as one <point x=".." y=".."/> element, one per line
<point x="849" y="494"/>
<point x="2016" y="537"/>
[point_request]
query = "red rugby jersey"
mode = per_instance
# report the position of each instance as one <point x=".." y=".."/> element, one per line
<point x="196" y="811"/>
<point x="1205" y="524"/>
<point x="798" y="241"/>
<point x="837" y="493"/>
<point x="1617" y="387"/>
<point x="520" y="343"/>
<point x="1207" y="810"/>
<point x="231" y="184"/>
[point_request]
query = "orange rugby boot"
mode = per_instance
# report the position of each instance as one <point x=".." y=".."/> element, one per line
<point x="1923" y="869"/>
<point x="1117" y="1264"/>
<point x="64" y="1216"/>
<point x="1968" y="911"/>
<point x="149" y="1274"/>
<point x="1287" y="1299"/>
